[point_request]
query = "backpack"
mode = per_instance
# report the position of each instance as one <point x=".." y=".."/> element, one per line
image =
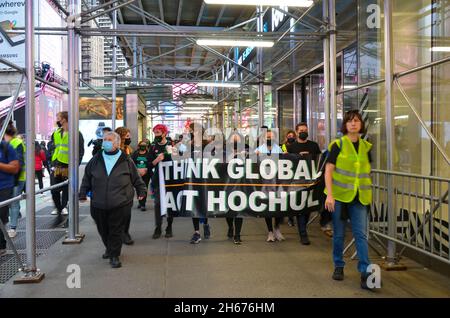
<point x="4" y="150"/>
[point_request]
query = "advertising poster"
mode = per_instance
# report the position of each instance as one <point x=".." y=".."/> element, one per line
<point x="12" y="46"/>
<point x="99" y="108"/>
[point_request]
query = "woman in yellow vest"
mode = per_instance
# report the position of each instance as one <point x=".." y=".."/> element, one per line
<point x="349" y="192"/>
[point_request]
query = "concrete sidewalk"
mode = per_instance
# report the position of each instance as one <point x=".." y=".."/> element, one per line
<point x="215" y="267"/>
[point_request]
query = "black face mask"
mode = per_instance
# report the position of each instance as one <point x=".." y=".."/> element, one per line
<point x="58" y="123"/>
<point x="269" y="142"/>
<point x="142" y="147"/>
<point x="303" y="135"/>
<point x="128" y="141"/>
<point x="290" y="140"/>
<point x="158" y="138"/>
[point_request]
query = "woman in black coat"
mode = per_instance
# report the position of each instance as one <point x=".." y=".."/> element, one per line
<point x="111" y="176"/>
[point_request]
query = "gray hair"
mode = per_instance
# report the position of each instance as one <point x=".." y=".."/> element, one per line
<point x="116" y="137"/>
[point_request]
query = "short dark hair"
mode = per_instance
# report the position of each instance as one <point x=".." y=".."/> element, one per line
<point x="300" y="124"/>
<point x="11" y="130"/>
<point x="106" y="129"/>
<point x="348" y="117"/>
<point x="64" y="115"/>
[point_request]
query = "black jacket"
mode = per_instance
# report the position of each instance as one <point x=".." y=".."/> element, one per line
<point x="115" y="190"/>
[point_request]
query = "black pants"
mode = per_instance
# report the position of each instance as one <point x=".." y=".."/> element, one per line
<point x="110" y="226"/>
<point x="158" y="216"/>
<point x="146" y="178"/>
<point x="269" y="223"/>
<point x="60" y="201"/>
<point x="5" y="194"/>
<point x="39" y="176"/>
<point x="196" y="223"/>
<point x="237" y="225"/>
<point x="302" y="222"/>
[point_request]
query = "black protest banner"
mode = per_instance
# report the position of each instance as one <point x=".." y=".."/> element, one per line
<point x="281" y="185"/>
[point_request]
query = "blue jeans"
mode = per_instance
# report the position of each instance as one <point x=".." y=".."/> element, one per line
<point x="358" y="218"/>
<point x="14" y="209"/>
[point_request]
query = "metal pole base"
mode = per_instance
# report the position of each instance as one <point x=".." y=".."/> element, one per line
<point x="80" y="235"/>
<point x="392" y="266"/>
<point x="30" y="278"/>
<point x="76" y="240"/>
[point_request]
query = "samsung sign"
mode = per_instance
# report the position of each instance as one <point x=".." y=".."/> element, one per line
<point x="12" y="47"/>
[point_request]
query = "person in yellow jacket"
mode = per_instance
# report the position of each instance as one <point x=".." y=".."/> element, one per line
<point x="19" y="179"/>
<point x="60" y="162"/>
<point x="349" y="192"/>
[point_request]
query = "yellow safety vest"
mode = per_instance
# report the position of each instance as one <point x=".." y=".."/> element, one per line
<point x="61" y="152"/>
<point x="16" y="142"/>
<point x="352" y="173"/>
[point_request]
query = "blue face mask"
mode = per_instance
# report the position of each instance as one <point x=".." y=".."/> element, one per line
<point x="107" y="146"/>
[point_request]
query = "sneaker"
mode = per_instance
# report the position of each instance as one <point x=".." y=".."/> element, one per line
<point x="168" y="232"/>
<point x="143" y="209"/>
<point x="230" y="233"/>
<point x="12" y="233"/>
<point x="54" y="212"/>
<point x="237" y="240"/>
<point x="64" y="211"/>
<point x="157" y="233"/>
<point x="278" y="235"/>
<point x="270" y="237"/>
<point x="2" y="251"/>
<point x="304" y="240"/>
<point x="206" y="231"/>
<point x="338" y="273"/>
<point x="105" y="255"/>
<point x="196" y="238"/>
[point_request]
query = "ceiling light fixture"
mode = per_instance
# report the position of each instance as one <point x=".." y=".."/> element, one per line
<point x="275" y="3"/>
<point x="234" y="43"/>
<point x="440" y="49"/>
<point x="219" y="84"/>
<point x="201" y="102"/>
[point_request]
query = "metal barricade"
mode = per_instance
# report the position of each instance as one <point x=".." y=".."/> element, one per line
<point x="422" y="212"/>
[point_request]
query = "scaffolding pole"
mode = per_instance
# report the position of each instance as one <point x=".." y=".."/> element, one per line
<point x="73" y="77"/>
<point x="333" y="76"/>
<point x="31" y="272"/>
<point x="114" y="69"/>
<point x="260" y="57"/>
<point x="326" y="72"/>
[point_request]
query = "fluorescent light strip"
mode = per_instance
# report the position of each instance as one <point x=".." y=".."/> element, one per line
<point x="218" y="84"/>
<point x="440" y="49"/>
<point x="289" y="3"/>
<point x="201" y="102"/>
<point x="233" y="43"/>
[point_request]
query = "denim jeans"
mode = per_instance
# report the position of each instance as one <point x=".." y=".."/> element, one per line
<point x="5" y="194"/>
<point x="14" y="209"/>
<point x="302" y="224"/>
<point x="358" y="218"/>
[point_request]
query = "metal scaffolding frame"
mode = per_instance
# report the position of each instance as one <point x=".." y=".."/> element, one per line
<point x="75" y="17"/>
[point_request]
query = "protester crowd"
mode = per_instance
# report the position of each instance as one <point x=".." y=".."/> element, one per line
<point x="116" y="175"/>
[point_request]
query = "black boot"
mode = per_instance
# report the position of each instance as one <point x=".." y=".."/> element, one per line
<point x="237" y="239"/>
<point x="206" y="231"/>
<point x="115" y="262"/>
<point x="364" y="277"/>
<point x="157" y="233"/>
<point x="106" y="255"/>
<point x="169" y="231"/>
<point x="338" y="273"/>
<point x="305" y="240"/>
<point x="126" y="239"/>
<point x="230" y="233"/>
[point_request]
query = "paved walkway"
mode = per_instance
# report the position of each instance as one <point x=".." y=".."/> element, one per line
<point x="215" y="267"/>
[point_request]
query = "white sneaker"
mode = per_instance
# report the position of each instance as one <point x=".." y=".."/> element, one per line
<point x="12" y="233"/>
<point x="64" y="211"/>
<point x="270" y="237"/>
<point x="54" y="212"/>
<point x="278" y="235"/>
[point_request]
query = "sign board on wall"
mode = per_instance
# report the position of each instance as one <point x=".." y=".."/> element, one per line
<point x="12" y="46"/>
<point x="99" y="108"/>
